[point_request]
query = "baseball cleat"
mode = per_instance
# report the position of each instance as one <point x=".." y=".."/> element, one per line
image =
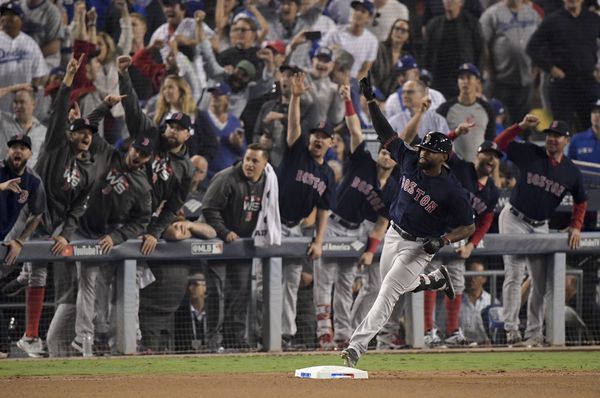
<point x="33" y="346"/>
<point x="513" y="337"/>
<point x="350" y="357"/>
<point x="448" y="288"/>
<point x="458" y="340"/>
<point x="432" y="339"/>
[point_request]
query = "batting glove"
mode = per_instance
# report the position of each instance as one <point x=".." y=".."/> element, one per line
<point x="433" y="245"/>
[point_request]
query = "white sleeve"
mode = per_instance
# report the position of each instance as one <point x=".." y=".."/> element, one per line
<point x="38" y="64"/>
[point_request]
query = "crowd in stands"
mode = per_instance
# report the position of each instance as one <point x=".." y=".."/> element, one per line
<point x="228" y="119"/>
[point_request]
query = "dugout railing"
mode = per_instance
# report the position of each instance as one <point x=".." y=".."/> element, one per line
<point x="553" y="246"/>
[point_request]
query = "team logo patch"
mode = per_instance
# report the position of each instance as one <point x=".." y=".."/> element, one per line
<point x="23" y="196"/>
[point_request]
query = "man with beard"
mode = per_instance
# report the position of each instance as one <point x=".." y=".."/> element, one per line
<point x="305" y="182"/>
<point x="170" y="171"/>
<point x="20" y="190"/>
<point x="68" y="172"/>
<point x="545" y="175"/>
<point x="271" y="127"/>
<point x="239" y="78"/>
<point x="364" y="194"/>
<point x="426" y="205"/>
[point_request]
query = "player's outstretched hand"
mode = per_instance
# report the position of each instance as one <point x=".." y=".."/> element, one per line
<point x="366" y="88"/>
<point x="529" y="122"/>
<point x="433" y="245"/>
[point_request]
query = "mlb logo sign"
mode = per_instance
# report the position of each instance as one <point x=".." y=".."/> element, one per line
<point x="554" y="124"/>
<point x="145" y="142"/>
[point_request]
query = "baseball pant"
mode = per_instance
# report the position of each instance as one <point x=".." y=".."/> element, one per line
<point x="367" y="294"/>
<point x="341" y="272"/>
<point x="61" y="331"/>
<point x="215" y="304"/>
<point x="292" y="270"/>
<point x="402" y="262"/>
<point x="93" y="297"/>
<point x="514" y="272"/>
<point x="62" y="328"/>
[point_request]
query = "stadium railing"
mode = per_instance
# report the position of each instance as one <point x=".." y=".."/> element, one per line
<point x="553" y="246"/>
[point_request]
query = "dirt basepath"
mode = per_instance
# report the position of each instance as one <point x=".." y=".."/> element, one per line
<point x="536" y="384"/>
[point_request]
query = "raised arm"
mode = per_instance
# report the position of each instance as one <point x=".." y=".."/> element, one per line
<point x="385" y="132"/>
<point x="137" y="121"/>
<point x="57" y="126"/>
<point x="352" y="120"/>
<point x="411" y="129"/>
<point x="509" y="134"/>
<point x="298" y="88"/>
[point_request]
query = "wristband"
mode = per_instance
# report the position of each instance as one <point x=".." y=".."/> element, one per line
<point x="20" y="242"/>
<point x="372" y="245"/>
<point x="349" y="108"/>
<point x="452" y="135"/>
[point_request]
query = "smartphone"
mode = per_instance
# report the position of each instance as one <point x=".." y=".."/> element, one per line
<point x="313" y="36"/>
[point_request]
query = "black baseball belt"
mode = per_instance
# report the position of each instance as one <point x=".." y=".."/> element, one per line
<point x="530" y="221"/>
<point x="344" y="223"/>
<point x="406" y="235"/>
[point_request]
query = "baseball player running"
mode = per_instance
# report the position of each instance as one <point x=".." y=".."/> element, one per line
<point x="427" y="203"/>
<point x="305" y="182"/>
<point x="361" y="194"/>
<point x="545" y="177"/>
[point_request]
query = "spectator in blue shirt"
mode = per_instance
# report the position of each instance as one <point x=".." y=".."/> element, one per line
<point x="585" y="145"/>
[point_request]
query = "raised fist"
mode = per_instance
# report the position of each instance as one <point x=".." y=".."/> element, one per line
<point x="123" y="63"/>
<point x="529" y="122"/>
<point x="366" y="89"/>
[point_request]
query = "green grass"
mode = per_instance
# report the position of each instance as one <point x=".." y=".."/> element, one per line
<point x="498" y="361"/>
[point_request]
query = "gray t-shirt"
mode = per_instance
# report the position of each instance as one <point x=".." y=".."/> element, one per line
<point x="506" y="34"/>
<point x="466" y="145"/>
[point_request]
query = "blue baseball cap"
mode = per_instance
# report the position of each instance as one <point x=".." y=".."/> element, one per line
<point x="405" y="63"/>
<point x="469" y="68"/>
<point x="596" y="105"/>
<point x="220" y="89"/>
<point x="12" y="7"/>
<point x="497" y="106"/>
<point x="366" y="4"/>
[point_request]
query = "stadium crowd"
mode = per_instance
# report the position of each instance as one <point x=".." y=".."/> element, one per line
<point x="228" y="119"/>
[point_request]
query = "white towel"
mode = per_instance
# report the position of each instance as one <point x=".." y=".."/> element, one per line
<point x="268" y="227"/>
